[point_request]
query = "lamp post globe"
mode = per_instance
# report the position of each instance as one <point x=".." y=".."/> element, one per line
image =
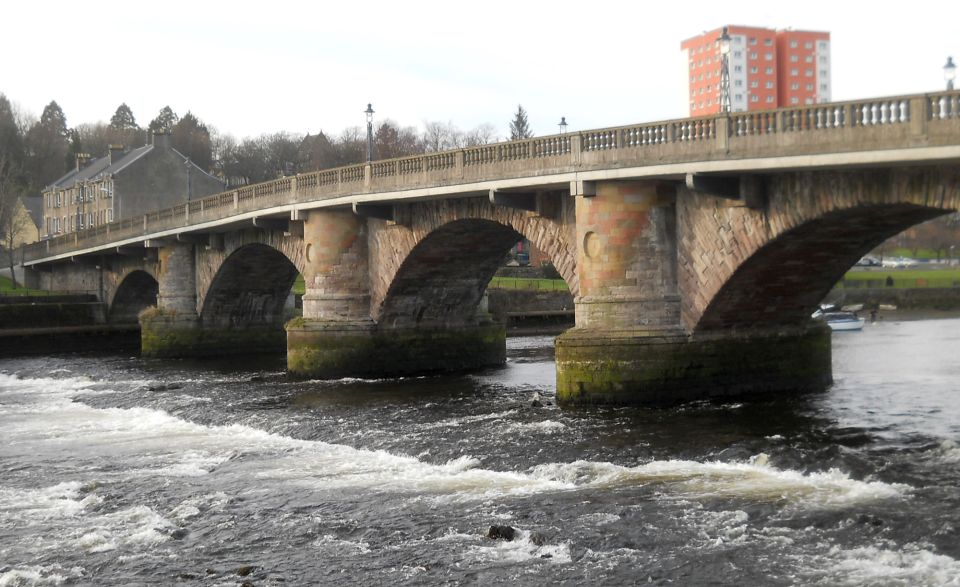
<point x="724" y="44"/>
<point x="369" y="113"/>
<point x="949" y="73"/>
<point x="563" y="124"/>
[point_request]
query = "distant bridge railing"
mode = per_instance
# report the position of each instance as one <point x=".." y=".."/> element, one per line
<point x="876" y="124"/>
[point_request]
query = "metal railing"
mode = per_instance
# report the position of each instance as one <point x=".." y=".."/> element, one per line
<point x="881" y="123"/>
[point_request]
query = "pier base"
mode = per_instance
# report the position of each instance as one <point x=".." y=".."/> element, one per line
<point x="166" y="334"/>
<point x="635" y="367"/>
<point x="329" y="349"/>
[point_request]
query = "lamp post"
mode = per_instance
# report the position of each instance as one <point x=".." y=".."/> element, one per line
<point x="563" y="124"/>
<point x="724" y="41"/>
<point x="369" y="113"/>
<point x="949" y="73"/>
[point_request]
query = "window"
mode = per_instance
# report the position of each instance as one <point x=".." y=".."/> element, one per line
<point x="753" y="84"/>
<point x="794" y="72"/>
<point x="823" y="73"/>
<point x="768" y="71"/>
<point x="753" y="40"/>
<point x="794" y="100"/>
<point x="754" y="98"/>
<point x="793" y="44"/>
<point x="808" y="73"/>
<point x="769" y="85"/>
<point x="823" y="59"/>
<point x="768" y="56"/>
<point x="738" y="83"/>
<point x="809" y="87"/>
<point x="794" y="86"/>
<point x="808" y="101"/>
<point x="753" y="69"/>
<point x="738" y="68"/>
<point x="808" y="59"/>
<point x="823" y="87"/>
<point x="768" y="42"/>
<point x="822" y="45"/>
<point x="808" y="45"/>
<point x="794" y="59"/>
<point x="769" y="99"/>
<point x="737" y="54"/>
<point x="738" y="97"/>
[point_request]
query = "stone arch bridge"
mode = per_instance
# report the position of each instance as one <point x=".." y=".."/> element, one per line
<point x="696" y="250"/>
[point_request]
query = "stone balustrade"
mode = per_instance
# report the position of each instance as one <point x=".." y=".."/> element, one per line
<point x="877" y="124"/>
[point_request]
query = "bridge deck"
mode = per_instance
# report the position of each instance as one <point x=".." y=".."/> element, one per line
<point x="912" y="129"/>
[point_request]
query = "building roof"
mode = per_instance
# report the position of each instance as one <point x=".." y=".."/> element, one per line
<point x="34" y="206"/>
<point x="99" y="167"/>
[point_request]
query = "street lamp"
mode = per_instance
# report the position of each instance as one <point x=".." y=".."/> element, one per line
<point x="369" y="113"/>
<point x="949" y="73"/>
<point x="563" y="124"/>
<point x="724" y="42"/>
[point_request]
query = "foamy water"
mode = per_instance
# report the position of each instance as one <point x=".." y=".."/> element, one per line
<point x="104" y="482"/>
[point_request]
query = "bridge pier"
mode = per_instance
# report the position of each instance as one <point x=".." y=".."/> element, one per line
<point x="173" y="329"/>
<point x="336" y="336"/>
<point x="629" y="345"/>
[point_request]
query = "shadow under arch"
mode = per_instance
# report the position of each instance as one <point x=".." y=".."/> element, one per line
<point x="442" y="280"/>
<point x="248" y="301"/>
<point x="136" y="292"/>
<point x="783" y="282"/>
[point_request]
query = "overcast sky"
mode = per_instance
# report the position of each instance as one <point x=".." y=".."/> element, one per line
<point x="252" y="67"/>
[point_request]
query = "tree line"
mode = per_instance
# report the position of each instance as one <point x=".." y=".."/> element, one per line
<point x="42" y="150"/>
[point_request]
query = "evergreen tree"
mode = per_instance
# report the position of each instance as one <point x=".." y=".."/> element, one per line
<point x="47" y="148"/>
<point x="192" y="139"/>
<point x="165" y="121"/>
<point x="519" y="127"/>
<point x="123" y="118"/>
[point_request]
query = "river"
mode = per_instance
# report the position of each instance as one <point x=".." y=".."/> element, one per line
<point x="116" y="470"/>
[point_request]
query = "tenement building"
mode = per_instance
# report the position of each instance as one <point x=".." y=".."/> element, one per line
<point x="768" y="69"/>
<point x="123" y="184"/>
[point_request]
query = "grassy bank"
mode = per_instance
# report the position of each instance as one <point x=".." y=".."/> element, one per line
<point x="6" y="289"/>
<point x="903" y="278"/>
<point x="529" y="284"/>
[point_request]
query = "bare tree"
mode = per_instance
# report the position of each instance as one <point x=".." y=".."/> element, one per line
<point x="13" y="220"/>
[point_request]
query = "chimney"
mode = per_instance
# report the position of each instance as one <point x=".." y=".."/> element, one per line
<point x="161" y="139"/>
<point x="116" y="152"/>
<point x="82" y="160"/>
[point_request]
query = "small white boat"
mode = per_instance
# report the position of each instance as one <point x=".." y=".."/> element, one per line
<point x="843" y="320"/>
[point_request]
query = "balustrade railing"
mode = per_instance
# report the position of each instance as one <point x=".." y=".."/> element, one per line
<point x="693" y="137"/>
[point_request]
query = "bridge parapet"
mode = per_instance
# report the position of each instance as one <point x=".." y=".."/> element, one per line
<point x="862" y="125"/>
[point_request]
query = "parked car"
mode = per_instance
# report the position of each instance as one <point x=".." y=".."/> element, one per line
<point x="868" y="261"/>
<point x="899" y="262"/>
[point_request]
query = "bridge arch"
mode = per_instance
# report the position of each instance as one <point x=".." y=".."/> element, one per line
<point x="251" y="286"/>
<point x="212" y="262"/>
<point x="771" y="267"/>
<point x="136" y="290"/>
<point x="433" y="269"/>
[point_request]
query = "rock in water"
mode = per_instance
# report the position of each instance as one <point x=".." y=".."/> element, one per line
<point x="501" y="533"/>
<point x="536" y="400"/>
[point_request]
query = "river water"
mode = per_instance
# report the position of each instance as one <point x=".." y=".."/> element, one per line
<point x="116" y="470"/>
